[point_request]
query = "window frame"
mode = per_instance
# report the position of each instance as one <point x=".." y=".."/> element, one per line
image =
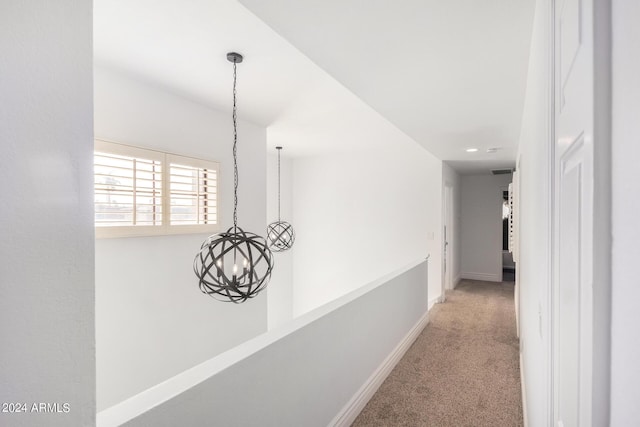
<point x="165" y="227"/>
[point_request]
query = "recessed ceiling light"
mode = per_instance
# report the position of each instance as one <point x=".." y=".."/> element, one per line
<point x="471" y="150"/>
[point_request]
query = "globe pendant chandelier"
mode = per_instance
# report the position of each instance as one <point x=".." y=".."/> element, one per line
<point x="280" y="234"/>
<point x="234" y="265"/>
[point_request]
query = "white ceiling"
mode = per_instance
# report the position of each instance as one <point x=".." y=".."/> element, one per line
<point x="450" y="74"/>
<point x="182" y="46"/>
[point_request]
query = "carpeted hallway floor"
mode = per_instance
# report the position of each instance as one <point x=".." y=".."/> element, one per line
<point x="463" y="370"/>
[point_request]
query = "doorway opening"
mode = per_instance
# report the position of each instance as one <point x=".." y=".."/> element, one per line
<point x="508" y="266"/>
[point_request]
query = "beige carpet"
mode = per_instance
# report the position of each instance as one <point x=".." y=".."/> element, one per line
<point x="463" y="370"/>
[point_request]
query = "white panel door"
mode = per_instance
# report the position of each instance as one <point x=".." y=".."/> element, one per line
<point x="574" y="144"/>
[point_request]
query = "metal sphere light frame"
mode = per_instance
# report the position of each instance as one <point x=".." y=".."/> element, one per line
<point x="234" y="265"/>
<point x="280" y="234"/>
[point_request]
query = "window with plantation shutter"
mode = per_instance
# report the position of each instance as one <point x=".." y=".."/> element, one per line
<point x="192" y="191"/>
<point x="141" y="192"/>
<point x="128" y="190"/>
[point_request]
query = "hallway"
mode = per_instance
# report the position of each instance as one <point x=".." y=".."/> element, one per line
<point x="463" y="370"/>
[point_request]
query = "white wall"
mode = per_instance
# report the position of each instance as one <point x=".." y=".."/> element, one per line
<point x="534" y="268"/>
<point x="47" y="350"/>
<point x="625" y="347"/>
<point x="361" y="214"/>
<point x="280" y="289"/>
<point x="451" y="178"/>
<point x="481" y="223"/>
<point x="318" y="370"/>
<point x="152" y="321"/>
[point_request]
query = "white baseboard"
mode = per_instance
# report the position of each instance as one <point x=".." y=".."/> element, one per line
<point x="456" y="281"/>
<point x="524" y="393"/>
<point x="359" y="400"/>
<point x="482" y="276"/>
<point x="434" y="301"/>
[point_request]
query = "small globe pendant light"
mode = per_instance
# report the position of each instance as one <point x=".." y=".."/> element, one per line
<point x="234" y="265"/>
<point x="280" y="234"/>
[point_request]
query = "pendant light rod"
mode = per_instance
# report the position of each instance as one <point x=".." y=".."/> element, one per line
<point x="236" y="58"/>
<point x="279" y="149"/>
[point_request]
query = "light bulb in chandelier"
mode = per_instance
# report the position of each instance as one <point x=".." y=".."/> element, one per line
<point x="216" y="263"/>
<point x="280" y="234"/>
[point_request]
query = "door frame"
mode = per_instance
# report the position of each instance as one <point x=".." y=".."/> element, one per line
<point x="599" y="390"/>
<point x="448" y="234"/>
